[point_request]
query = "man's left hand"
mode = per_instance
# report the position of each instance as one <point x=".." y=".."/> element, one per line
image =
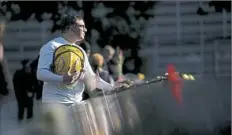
<point x="123" y="84"/>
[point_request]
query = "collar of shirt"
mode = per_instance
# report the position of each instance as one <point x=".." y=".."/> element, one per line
<point x="65" y="41"/>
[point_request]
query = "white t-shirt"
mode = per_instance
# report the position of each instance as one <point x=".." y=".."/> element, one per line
<point x="51" y="91"/>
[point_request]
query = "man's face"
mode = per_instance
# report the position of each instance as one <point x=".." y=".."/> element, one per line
<point x="80" y="29"/>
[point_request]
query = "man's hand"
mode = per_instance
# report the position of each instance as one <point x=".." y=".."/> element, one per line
<point x="70" y="78"/>
<point x="123" y="84"/>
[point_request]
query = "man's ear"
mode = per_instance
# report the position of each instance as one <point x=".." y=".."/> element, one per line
<point x="72" y="28"/>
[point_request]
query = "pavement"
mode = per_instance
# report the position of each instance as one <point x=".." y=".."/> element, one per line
<point x="8" y="115"/>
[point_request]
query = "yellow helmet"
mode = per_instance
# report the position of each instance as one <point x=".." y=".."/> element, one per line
<point x="68" y="58"/>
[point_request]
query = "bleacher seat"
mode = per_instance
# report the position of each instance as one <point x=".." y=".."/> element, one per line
<point x="191" y="52"/>
<point x="23" y="40"/>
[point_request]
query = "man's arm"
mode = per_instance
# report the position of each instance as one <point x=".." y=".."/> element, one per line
<point x="101" y="84"/>
<point x="44" y="65"/>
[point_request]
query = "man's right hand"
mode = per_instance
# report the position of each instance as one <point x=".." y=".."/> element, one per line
<point x="70" y="78"/>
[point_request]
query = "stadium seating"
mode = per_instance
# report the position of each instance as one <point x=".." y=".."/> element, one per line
<point x="183" y="38"/>
<point x="187" y="39"/>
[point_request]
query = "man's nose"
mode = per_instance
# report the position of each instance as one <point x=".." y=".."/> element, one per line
<point x="85" y="30"/>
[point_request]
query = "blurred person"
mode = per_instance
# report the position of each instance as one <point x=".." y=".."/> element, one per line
<point x="37" y="85"/>
<point x="116" y="65"/>
<point x="65" y="77"/>
<point x="113" y="62"/>
<point x="22" y="81"/>
<point x="97" y="64"/>
<point x="129" y="65"/>
<point x="108" y="53"/>
<point x="132" y="62"/>
<point x="4" y="76"/>
<point x="2" y="29"/>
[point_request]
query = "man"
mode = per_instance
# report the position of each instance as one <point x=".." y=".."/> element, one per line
<point x="4" y="84"/>
<point x="67" y="87"/>
<point x="22" y="81"/>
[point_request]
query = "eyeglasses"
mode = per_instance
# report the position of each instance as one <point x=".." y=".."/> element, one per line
<point x="82" y="26"/>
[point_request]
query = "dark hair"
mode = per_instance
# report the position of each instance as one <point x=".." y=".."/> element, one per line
<point x="69" y="20"/>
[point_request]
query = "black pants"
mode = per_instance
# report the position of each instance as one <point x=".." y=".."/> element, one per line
<point x="25" y="105"/>
<point x="21" y="110"/>
<point x="39" y="94"/>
